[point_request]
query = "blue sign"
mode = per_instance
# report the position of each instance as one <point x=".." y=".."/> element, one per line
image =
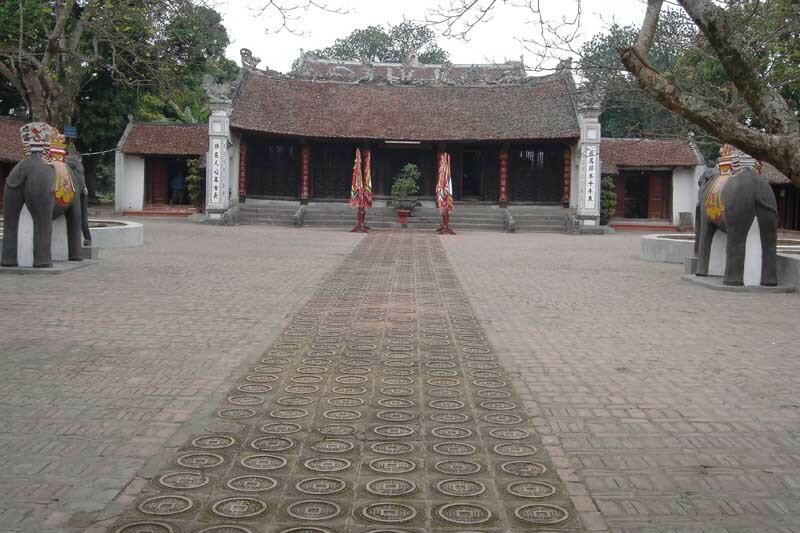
<point x="70" y="131"/>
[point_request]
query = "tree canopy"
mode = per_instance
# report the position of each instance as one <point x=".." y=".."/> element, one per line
<point x="393" y="44"/>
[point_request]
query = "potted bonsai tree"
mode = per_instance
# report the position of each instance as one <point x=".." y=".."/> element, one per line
<point x="404" y="190"/>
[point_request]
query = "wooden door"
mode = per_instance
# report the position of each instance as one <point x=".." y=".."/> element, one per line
<point x="657" y="197"/>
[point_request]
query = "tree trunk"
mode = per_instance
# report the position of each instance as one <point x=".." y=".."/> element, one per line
<point x="90" y="170"/>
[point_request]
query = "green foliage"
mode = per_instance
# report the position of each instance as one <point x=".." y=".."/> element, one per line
<point x="392" y="44"/>
<point x="405" y="186"/>
<point x="194" y="181"/>
<point x="608" y="199"/>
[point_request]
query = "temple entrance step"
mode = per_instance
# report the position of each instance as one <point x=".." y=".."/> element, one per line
<point x="483" y="218"/>
<point x="277" y="214"/>
<point x="545" y="219"/>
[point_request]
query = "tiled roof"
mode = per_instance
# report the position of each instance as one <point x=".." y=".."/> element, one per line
<point x="536" y="110"/>
<point x="510" y="72"/>
<point x="775" y="176"/>
<point x="154" y="138"/>
<point x="10" y="143"/>
<point x="646" y="153"/>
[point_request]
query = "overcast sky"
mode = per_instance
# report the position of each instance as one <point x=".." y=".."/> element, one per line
<point x="493" y="41"/>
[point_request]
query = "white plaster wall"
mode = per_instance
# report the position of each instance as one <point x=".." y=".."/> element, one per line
<point x="233" y="162"/>
<point x="684" y="190"/>
<point x="129" y="182"/>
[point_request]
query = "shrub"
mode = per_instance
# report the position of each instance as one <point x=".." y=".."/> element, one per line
<point x="608" y="200"/>
<point x="405" y="184"/>
<point x="194" y="181"/>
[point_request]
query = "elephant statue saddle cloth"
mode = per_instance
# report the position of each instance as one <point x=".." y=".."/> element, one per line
<point x="63" y="188"/>
<point x="713" y="204"/>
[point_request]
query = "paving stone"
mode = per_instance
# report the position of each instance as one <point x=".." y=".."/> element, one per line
<point x="406" y="446"/>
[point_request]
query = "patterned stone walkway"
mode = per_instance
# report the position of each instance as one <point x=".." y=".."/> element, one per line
<point x="380" y="408"/>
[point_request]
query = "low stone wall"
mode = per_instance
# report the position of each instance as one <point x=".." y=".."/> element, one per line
<point x="117" y="234"/>
<point x="657" y="248"/>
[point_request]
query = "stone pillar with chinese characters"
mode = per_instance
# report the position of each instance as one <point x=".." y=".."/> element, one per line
<point x="305" y="173"/>
<point x="217" y="161"/>
<point x="503" y="178"/>
<point x="589" y="164"/>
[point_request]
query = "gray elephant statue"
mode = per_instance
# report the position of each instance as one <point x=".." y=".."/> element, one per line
<point x="32" y="182"/>
<point x="729" y="200"/>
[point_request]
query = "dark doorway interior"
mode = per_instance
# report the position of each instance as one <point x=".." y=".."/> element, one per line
<point x="470" y="176"/>
<point x="273" y="169"/>
<point x="643" y="195"/>
<point x="165" y="181"/>
<point x="389" y="160"/>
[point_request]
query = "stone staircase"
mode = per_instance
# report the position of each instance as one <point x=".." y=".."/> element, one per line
<point x="274" y="213"/>
<point x="540" y="218"/>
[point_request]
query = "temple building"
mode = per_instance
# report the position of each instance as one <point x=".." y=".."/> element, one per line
<point x="11" y="151"/>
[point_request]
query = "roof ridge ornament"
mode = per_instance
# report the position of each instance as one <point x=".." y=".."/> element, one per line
<point x="249" y="61"/>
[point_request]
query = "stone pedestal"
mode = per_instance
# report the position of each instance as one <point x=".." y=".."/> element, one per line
<point x="58" y="244"/>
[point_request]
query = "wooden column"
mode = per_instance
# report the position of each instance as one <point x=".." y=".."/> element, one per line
<point x="567" y="175"/>
<point x="305" y="173"/>
<point x="503" y="181"/>
<point x="242" y="172"/>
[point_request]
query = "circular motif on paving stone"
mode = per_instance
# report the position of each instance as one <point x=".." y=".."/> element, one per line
<point x="333" y="446"/>
<point x="251" y="483"/>
<point x="287" y="346"/>
<point x="269" y="369"/>
<point x="485" y="374"/>
<point x="213" y="442"/>
<point x="342" y="414"/>
<point x="345" y="402"/>
<point x="397" y="381"/>
<point x="393" y="431"/>
<point x="396" y="416"/>
<point x="321" y="486"/>
<point x="263" y="462"/>
<point x="514" y="449"/>
<point x="271" y="444"/>
<point x="225" y="529"/>
<point x="254" y="388"/>
<point x="236" y="413"/>
<point x="312" y="370"/>
<point x="489" y="383"/>
<point x="281" y="428"/>
<point x="447" y="405"/>
<point x="306" y="529"/>
<point x="449" y="418"/>
<point x="245" y="400"/>
<point x="464" y="513"/>
<point x="400" y="335"/>
<point x="183" y="480"/>
<point x="392" y="466"/>
<point x="503" y="419"/>
<point x="484" y="358"/>
<point x="301" y="389"/>
<point x="399" y="364"/>
<point x="200" y="460"/>
<point x="317" y="361"/>
<point x="238" y="507"/>
<point x="454" y="448"/>
<point x="509" y="433"/>
<point x="294" y="401"/>
<point x="540" y="513"/>
<point x="306" y="379"/>
<point x="451" y="432"/>
<point x="391" y="487"/>
<point x="352" y="380"/>
<point x="493" y="394"/>
<point x="444" y="393"/>
<point x="271" y="360"/>
<point x="288" y="413"/>
<point x="165" y="505"/>
<point x="327" y="464"/>
<point x="531" y="489"/>
<point x="444" y="382"/>
<point x="523" y="468"/>
<point x="349" y="389"/>
<point x="326" y="346"/>
<point x="398" y="371"/>
<point x="355" y="370"/>
<point x="400" y="348"/>
<point x="397" y="391"/>
<point x="313" y="510"/>
<point x="321" y="353"/>
<point x="463" y="488"/>
<point x="457" y="467"/>
<point x="388" y="513"/>
<point x="337" y="430"/>
<point x="367" y="347"/>
<point x="476" y="349"/>
<point x="398" y="403"/>
<point x="442" y="373"/>
<point x="356" y="363"/>
<point x="261" y="378"/>
<point x="392" y="448"/>
<point x="399" y="355"/>
<point x="146" y="527"/>
<point x="482" y="366"/>
<point x="436" y="342"/>
<point x="440" y="364"/>
<point x="498" y="405"/>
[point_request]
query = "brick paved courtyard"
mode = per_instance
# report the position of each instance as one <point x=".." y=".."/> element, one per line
<point x="649" y="425"/>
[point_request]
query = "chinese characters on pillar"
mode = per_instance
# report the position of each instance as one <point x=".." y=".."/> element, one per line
<point x="242" y="171"/>
<point x="590" y="198"/>
<point x="566" y="177"/>
<point x="216" y="172"/>
<point x="503" y="175"/>
<point x="305" y="172"/>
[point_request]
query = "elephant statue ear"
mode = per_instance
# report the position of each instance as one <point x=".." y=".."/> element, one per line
<point x="19" y="173"/>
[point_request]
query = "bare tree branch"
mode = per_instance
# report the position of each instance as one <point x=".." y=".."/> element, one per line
<point x="287" y="13"/>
